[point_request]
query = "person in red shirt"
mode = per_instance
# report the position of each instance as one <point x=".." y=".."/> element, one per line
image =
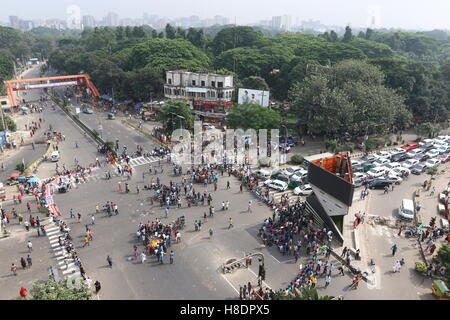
<point x="23" y="292"/>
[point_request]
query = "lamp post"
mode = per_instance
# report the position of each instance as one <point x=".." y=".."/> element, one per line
<point x="285" y="138"/>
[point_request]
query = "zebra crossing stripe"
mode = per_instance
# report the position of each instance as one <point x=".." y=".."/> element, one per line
<point x="68" y="266"/>
<point x="53" y="233"/>
<point x="51" y="229"/>
<point x="54" y="236"/>
<point x="72" y="270"/>
<point x="53" y="241"/>
<point x="62" y="257"/>
<point x="68" y="260"/>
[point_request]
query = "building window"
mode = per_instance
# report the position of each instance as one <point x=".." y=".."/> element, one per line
<point x="203" y="95"/>
<point x="220" y="84"/>
<point x="203" y="83"/>
<point x="220" y="95"/>
<point x="169" y="81"/>
<point x="213" y="83"/>
<point x="193" y="82"/>
<point x="213" y="94"/>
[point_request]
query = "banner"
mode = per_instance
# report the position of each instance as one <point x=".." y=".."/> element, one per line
<point x="253" y="96"/>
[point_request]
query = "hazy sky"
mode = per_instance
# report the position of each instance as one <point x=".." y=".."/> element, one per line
<point x="420" y="14"/>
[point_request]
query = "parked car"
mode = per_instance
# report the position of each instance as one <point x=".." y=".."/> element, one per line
<point x="377" y="172"/>
<point x="370" y="158"/>
<point x="399" y="157"/>
<point x="276" y="184"/>
<point x="393" y="178"/>
<point x="410" y="163"/>
<point x="401" y="171"/>
<point x="380" y="162"/>
<point x="411" y="154"/>
<point x="384" y="154"/>
<point x="397" y="151"/>
<point x="410" y="146"/>
<point x="392" y="165"/>
<point x="443" y="149"/>
<point x="444" y="157"/>
<point x="262" y="174"/>
<point x="358" y="178"/>
<point x="379" y="184"/>
<point x="87" y="110"/>
<point x="432" y="163"/>
<point x="432" y="153"/>
<point x="418" y="168"/>
<point x="290" y="171"/>
<point x="303" y="190"/>
<point x="421" y="157"/>
<point x="299" y="175"/>
<point x="406" y="209"/>
<point x="279" y="176"/>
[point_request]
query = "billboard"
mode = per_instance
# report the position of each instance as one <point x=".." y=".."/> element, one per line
<point x="253" y="96"/>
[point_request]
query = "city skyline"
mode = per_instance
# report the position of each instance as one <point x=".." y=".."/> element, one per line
<point x="416" y="15"/>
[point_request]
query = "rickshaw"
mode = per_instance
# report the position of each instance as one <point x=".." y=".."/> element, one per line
<point x="179" y="223"/>
<point x="111" y="116"/>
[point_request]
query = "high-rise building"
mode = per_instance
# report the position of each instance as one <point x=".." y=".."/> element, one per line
<point x="88" y="22"/>
<point x="26" y="24"/>
<point x="14" y="22"/>
<point x="73" y="17"/>
<point x="276" y="22"/>
<point x="286" y="23"/>
<point x="112" y="19"/>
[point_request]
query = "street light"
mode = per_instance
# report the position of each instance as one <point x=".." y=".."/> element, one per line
<point x="285" y="138"/>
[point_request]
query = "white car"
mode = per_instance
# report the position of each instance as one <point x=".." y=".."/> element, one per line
<point x="413" y="153"/>
<point x="303" y="190"/>
<point x="380" y="162"/>
<point x="410" y="163"/>
<point x="299" y="175"/>
<point x="393" y="179"/>
<point x="432" y="153"/>
<point x="384" y="154"/>
<point x="397" y="151"/>
<point x="401" y="170"/>
<point x="356" y="163"/>
<point x="276" y="184"/>
<point x="262" y="174"/>
<point x="392" y="165"/>
<point x="290" y="171"/>
<point x="376" y="172"/>
<point x="432" y="163"/>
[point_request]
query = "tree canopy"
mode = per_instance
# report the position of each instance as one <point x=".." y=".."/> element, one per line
<point x="252" y="116"/>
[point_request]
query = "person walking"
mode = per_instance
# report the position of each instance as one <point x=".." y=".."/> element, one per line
<point x="29" y="246"/>
<point x="97" y="286"/>
<point x="171" y="256"/>
<point x="23" y="263"/>
<point x="79" y="217"/>
<point x="228" y="185"/>
<point x="29" y="261"/>
<point x="341" y="271"/>
<point x="210" y="233"/>
<point x="86" y="241"/>
<point x="72" y="215"/>
<point x="230" y="223"/>
<point x="249" y="206"/>
<point x="327" y="281"/>
<point x="143" y="257"/>
<point x="400" y="231"/>
<point x="394" y="249"/>
<point x="92" y="219"/>
<point x="23" y="292"/>
<point x="110" y="261"/>
<point x="13" y="269"/>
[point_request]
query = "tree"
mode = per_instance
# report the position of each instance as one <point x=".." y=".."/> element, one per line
<point x="196" y="37"/>
<point x="444" y="257"/>
<point x="169" y="119"/>
<point x="348" y="36"/>
<point x="167" y="54"/>
<point x="235" y="37"/>
<point x="348" y="97"/>
<point x="297" y="158"/>
<point x="333" y="36"/>
<point x="138" y="32"/>
<point x="170" y="32"/>
<point x="252" y="116"/>
<point x="144" y="83"/>
<point x="256" y="83"/>
<point x="52" y="290"/>
<point x="426" y="129"/>
<point x="181" y="33"/>
<point x="154" y="34"/>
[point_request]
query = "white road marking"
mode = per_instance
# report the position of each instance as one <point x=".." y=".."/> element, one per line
<point x="54" y="236"/>
<point x="237" y="291"/>
<point x="52" y="233"/>
<point x="69" y="271"/>
<point x="51" y="229"/>
<point x="54" y="240"/>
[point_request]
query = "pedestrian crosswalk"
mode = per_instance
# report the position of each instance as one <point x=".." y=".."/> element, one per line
<point x="140" y="161"/>
<point x="65" y="264"/>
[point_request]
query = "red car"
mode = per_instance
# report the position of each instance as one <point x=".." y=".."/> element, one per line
<point x="444" y="157"/>
<point x="410" y="146"/>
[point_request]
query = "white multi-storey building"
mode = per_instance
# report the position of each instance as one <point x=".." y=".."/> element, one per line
<point x="182" y="84"/>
